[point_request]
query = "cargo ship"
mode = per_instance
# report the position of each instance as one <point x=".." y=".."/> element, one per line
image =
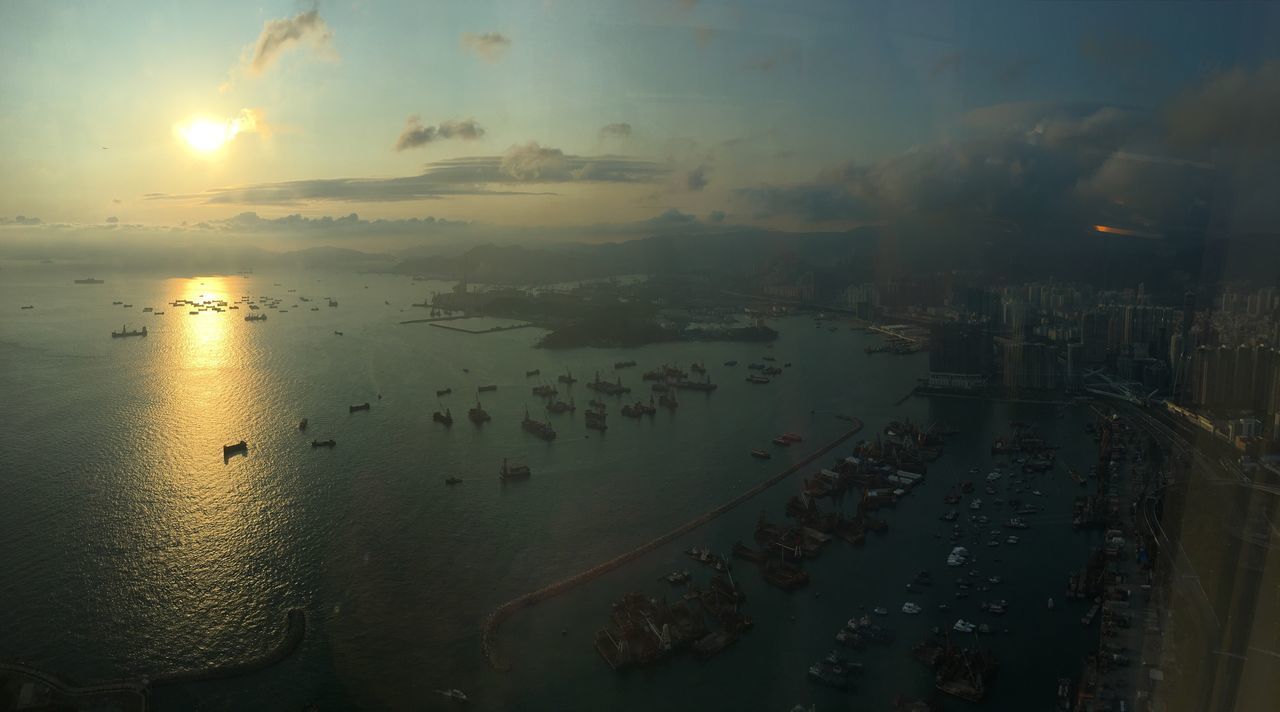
<point x="596" y="420"/>
<point x="559" y="406"/>
<point x="513" y="472"/>
<point x="608" y="388"/>
<point x="545" y="390"/>
<point x="125" y="332"/>
<point x="537" y="427"/>
<point x="567" y="378"/>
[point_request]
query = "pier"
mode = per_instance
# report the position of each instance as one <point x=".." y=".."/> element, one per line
<point x="489" y="629"/>
<point x="490" y="330"/>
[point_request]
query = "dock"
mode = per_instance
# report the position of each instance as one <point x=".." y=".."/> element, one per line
<point x="489" y="629"/>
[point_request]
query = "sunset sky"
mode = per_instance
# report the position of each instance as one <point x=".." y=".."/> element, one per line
<point x="603" y="117"/>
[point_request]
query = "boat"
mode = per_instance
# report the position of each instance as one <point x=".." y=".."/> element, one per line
<point x="336" y="333"/>
<point x="240" y="447"/>
<point x="676" y="578"/>
<point x="445" y="418"/>
<point x="443" y="391"/>
<point x="452" y="480"/>
<point x="537" y="427"/>
<point x="624" y="364"/>
<point x="253" y="317"/>
<point x="760" y="454"/>
<point x="324" y="443"/>
<point x="793" y="437"/>
<point x="513" y="472"/>
<point x="302" y="424"/>
<point x="478" y="415"/>
<point x="127" y="306"/>
<point x="146" y="310"/>
<point x="117" y="303"/>
<point x="731" y="363"/>
<point x="781" y="441"/>
<point x="89" y="280"/>
<point x="754" y="378"/>
<point x="879" y="611"/>
<point x="157" y="313"/>
<point x="608" y="388"/>
<point x="454" y="694"/>
<point x="596" y="420"/>
<point x="534" y="372"/>
<point x="668" y="400"/>
<point x="559" y="406"/>
<point x="964" y="626"/>
<point x="567" y="378"/>
<point x="354" y="408"/>
<point x="124" y="331"/>
<point x="910" y="608"/>
<point x="488" y="389"/>
<point x="544" y="390"/>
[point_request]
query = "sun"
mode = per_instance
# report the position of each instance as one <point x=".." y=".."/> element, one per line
<point x="205" y="136"/>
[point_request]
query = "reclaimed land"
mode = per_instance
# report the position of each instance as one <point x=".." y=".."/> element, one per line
<point x="489" y="629"/>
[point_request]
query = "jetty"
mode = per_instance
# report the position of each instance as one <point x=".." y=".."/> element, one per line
<point x="489" y="629"/>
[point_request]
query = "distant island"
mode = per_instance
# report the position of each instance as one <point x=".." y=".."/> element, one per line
<point x="603" y="316"/>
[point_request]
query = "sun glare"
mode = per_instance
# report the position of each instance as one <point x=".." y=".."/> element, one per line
<point x="205" y="136"/>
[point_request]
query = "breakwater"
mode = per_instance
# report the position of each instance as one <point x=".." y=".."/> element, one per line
<point x="489" y="629"/>
<point x="295" y="631"/>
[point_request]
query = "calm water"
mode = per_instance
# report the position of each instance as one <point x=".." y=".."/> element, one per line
<point x="128" y="547"/>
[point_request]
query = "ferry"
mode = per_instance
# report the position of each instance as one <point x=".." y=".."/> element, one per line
<point x="513" y="472"/>
<point x="478" y="415"/>
<point x="124" y="331"/>
<point x="324" y="443"/>
<point x="760" y="454"/>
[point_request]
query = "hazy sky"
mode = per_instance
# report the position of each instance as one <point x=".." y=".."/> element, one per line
<point x="813" y="115"/>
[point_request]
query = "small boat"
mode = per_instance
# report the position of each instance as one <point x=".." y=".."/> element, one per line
<point x="534" y="372"/>
<point x="760" y="454"/>
<point x="443" y="391"/>
<point x="781" y="441"/>
<point x="452" y="480"/>
<point x="489" y="388"/>
<point x="754" y="378"/>
<point x="793" y="437"/>
<point x="731" y="363"/>
<point x="324" y="443"/>
<point x="879" y="611"/>
<point x="354" y="408"/>
<point x="512" y="472"/>
<point x="302" y="424"/>
<point x="339" y="333"/>
<point x="454" y="694"/>
<point x="157" y="313"/>
<point x="240" y="447"/>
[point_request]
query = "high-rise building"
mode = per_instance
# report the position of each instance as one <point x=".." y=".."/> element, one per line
<point x="959" y="355"/>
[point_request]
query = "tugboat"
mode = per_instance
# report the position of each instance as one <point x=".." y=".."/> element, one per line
<point x="239" y="448"/>
<point x="124" y="331"/>
<point x="513" y="472"/>
<point x="354" y="408"/>
<point x="445" y="418"/>
<point x="324" y="443"/>
<point x="478" y="415"/>
<point x="537" y="427"/>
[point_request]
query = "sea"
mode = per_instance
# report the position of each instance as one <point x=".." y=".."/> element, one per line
<point x="129" y="547"/>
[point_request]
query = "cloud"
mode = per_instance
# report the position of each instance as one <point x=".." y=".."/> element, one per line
<point x="618" y="130"/>
<point x="490" y="46"/>
<point x="813" y="202"/>
<point x="251" y="222"/>
<point x="672" y="217"/>
<point x="696" y="179"/>
<point x="1237" y="111"/>
<point x="417" y="134"/>
<point x="280" y="36"/>
<point x="21" y="220"/>
<point x="523" y="165"/>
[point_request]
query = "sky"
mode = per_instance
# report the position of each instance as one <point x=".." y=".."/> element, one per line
<point x="605" y="119"/>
